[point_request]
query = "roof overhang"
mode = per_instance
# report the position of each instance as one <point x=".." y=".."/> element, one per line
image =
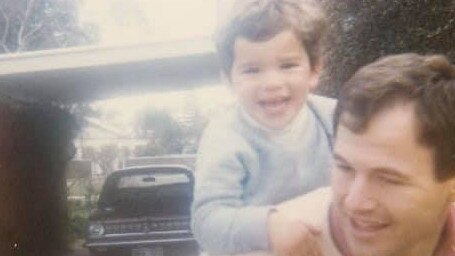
<point x="90" y="73"/>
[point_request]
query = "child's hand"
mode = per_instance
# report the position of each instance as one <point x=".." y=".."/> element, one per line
<point x="289" y="236"/>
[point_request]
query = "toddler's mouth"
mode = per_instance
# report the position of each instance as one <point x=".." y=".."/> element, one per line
<point x="275" y="105"/>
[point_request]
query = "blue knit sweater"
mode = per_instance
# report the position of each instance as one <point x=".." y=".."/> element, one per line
<point x="242" y="171"/>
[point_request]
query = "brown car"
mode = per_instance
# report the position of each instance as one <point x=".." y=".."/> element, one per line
<point x="144" y="211"/>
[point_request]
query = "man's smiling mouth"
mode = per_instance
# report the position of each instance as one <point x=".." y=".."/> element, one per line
<point x="364" y="228"/>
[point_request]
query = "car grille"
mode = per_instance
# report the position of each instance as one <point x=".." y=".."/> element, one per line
<point x="146" y="226"/>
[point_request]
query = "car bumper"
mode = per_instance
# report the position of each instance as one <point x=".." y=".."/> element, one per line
<point x="104" y="243"/>
<point x="156" y="238"/>
<point x="168" y="247"/>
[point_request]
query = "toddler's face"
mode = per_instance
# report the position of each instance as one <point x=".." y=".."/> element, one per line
<point x="272" y="78"/>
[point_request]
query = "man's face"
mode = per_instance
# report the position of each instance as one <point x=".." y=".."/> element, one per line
<point x="385" y="192"/>
<point x="272" y="78"/>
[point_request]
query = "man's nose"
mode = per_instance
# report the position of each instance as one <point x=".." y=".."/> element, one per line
<point x="360" y="196"/>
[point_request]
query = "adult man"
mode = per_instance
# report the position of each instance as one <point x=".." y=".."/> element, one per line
<point x="393" y="174"/>
<point x="394" y="160"/>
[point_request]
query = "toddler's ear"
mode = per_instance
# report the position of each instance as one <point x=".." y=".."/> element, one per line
<point x="316" y="74"/>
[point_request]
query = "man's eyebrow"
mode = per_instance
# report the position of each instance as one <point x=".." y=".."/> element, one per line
<point x="380" y="169"/>
<point x="391" y="172"/>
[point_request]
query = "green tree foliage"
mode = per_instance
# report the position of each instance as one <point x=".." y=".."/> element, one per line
<point x="27" y="25"/>
<point x="163" y="132"/>
<point x="363" y="30"/>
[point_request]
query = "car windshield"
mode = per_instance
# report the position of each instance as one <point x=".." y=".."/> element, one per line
<point x="149" y="193"/>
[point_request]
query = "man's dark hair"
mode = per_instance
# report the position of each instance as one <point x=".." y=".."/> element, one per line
<point x="260" y="20"/>
<point x="426" y="81"/>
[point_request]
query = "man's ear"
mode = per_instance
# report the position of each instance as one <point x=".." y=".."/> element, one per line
<point x="452" y="189"/>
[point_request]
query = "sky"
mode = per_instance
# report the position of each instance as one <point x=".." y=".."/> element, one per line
<point x="121" y="22"/>
<point x="128" y="21"/>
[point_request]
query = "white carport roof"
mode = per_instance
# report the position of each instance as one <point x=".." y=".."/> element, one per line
<point x="91" y="73"/>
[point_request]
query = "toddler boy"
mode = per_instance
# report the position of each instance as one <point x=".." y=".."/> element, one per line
<point x="276" y="144"/>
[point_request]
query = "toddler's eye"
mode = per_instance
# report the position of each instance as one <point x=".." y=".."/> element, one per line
<point x="289" y="65"/>
<point x="250" y="70"/>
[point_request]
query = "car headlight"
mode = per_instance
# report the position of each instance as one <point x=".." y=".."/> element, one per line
<point x="95" y="229"/>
